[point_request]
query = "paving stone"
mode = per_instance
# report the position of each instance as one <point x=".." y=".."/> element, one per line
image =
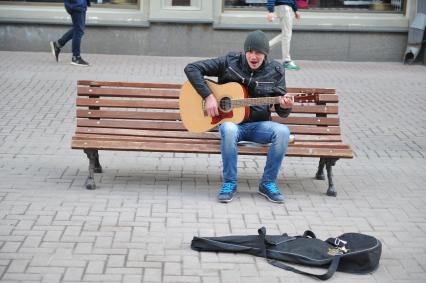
<point x="73" y="274"/>
<point x="138" y="225"/>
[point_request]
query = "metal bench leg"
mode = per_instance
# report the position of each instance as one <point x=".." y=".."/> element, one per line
<point x="98" y="167"/>
<point x="320" y="173"/>
<point x="331" y="191"/>
<point x="94" y="167"/>
<point x="327" y="163"/>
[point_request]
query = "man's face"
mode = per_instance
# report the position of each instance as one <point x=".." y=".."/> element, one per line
<point x="255" y="59"/>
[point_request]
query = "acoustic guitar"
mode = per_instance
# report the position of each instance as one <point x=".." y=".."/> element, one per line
<point x="233" y="103"/>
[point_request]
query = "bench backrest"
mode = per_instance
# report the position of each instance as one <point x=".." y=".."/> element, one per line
<point x="150" y="112"/>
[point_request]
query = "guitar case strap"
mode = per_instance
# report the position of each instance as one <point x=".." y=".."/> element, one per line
<point x="331" y="269"/>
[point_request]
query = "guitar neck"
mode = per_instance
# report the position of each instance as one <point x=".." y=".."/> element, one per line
<point x="255" y="101"/>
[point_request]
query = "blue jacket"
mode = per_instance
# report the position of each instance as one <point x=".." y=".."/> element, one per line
<point x="78" y="5"/>
<point x="272" y="3"/>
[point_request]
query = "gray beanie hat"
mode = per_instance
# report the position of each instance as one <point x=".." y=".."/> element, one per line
<point x="257" y="41"/>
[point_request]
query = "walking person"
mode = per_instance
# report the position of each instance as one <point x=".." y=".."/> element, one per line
<point x="77" y="10"/>
<point x="284" y="10"/>
<point x="261" y="77"/>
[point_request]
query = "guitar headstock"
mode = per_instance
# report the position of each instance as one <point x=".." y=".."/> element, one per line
<point x="306" y="97"/>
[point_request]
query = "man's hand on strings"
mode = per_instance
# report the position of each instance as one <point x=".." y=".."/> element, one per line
<point x="210" y="105"/>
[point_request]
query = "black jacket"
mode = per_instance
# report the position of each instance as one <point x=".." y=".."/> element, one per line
<point x="268" y="80"/>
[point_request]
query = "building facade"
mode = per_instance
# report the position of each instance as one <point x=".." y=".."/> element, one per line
<point x="328" y="30"/>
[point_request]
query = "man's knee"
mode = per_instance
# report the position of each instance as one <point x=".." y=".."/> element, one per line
<point x="79" y="32"/>
<point x="228" y="129"/>
<point x="282" y="132"/>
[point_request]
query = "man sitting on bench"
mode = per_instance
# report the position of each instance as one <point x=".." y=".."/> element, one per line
<point x="262" y="78"/>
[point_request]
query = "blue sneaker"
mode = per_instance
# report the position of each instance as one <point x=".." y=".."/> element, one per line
<point x="271" y="192"/>
<point x="227" y="192"/>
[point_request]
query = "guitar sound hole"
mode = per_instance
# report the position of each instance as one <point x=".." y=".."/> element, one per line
<point x="225" y="104"/>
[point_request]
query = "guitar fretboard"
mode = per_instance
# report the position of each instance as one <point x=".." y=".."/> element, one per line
<point x="298" y="97"/>
<point x="255" y="101"/>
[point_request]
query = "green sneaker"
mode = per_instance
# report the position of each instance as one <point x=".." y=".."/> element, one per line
<point x="290" y="65"/>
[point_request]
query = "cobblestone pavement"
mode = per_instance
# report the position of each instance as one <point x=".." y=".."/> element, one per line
<point x="138" y="225"/>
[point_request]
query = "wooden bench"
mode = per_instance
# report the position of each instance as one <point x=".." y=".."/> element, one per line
<point x="145" y="117"/>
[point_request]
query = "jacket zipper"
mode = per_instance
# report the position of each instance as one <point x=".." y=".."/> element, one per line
<point x="240" y="76"/>
<point x="251" y="76"/>
<point x="257" y="83"/>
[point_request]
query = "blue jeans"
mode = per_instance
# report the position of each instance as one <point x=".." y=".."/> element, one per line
<point x="76" y="32"/>
<point x="263" y="132"/>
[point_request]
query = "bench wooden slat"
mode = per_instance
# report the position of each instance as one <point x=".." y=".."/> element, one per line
<point x="138" y="115"/>
<point x="311" y="90"/>
<point x="173" y="116"/>
<point x="183" y="134"/>
<point x="131" y="124"/>
<point x="166" y="93"/>
<point x="151" y="104"/>
<point x="313" y="130"/>
<point x="321" y="121"/>
<point x="172" y="104"/>
<point x="178" y="86"/>
<point x="316" y="138"/>
<point x="129" y="84"/>
<point x="195" y="141"/>
<point x="147" y="133"/>
<point x="129" y="92"/>
<point x="332" y="98"/>
<point x="142" y="138"/>
<point x="204" y="148"/>
<point x="315" y="109"/>
<point x="169" y="125"/>
<point x="320" y="145"/>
